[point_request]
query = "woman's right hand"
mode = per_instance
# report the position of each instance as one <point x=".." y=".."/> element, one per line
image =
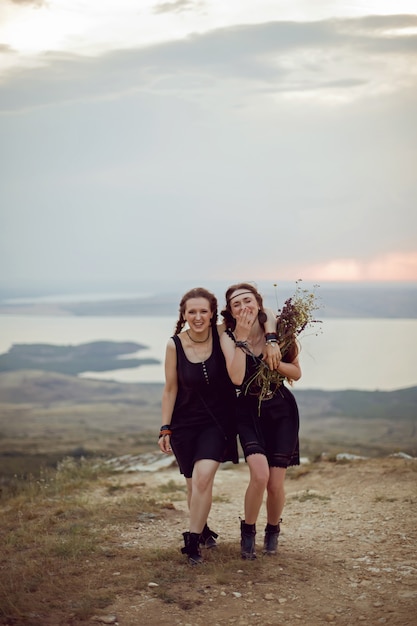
<point x="245" y="319"/>
<point x="164" y="444"/>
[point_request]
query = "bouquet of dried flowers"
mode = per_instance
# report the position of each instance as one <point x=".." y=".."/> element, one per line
<point x="296" y="315"/>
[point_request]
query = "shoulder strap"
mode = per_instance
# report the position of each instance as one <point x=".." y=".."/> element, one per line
<point x="178" y="343"/>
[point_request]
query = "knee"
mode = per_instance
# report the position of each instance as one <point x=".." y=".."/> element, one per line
<point x="259" y="479"/>
<point x="276" y="490"/>
<point x="202" y="481"/>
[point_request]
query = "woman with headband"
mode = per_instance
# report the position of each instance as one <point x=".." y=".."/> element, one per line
<point x="267" y="422"/>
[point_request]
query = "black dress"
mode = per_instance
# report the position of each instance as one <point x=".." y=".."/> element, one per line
<point x="203" y="420"/>
<point x="269" y="427"/>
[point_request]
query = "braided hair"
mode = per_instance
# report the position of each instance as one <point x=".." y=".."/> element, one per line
<point x="197" y="292"/>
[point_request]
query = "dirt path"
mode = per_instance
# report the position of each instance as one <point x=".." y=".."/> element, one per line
<point x="348" y="551"/>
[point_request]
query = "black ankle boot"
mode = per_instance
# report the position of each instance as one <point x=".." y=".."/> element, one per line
<point x="208" y="538"/>
<point x="271" y="539"/>
<point x="247" y="541"/>
<point x="192" y="548"/>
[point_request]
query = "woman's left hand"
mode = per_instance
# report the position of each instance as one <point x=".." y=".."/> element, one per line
<point x="272" y="355"/>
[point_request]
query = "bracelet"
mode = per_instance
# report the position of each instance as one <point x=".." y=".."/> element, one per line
<point x="165" y="430"/>
<point x="241" y="344"/>
<point x="271" y="338"/>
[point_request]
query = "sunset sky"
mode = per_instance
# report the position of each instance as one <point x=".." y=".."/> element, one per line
<point x="204" y="139"/>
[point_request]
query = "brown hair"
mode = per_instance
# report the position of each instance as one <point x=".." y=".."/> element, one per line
<point x="291" y="352"/>
<point x="197" y="292"/>
<point x="293" y="349"/>
<point x="227" y="312"/>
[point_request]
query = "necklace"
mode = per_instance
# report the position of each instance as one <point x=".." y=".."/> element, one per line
<point x="195" y="340"/>
<point x="202" y="357"/>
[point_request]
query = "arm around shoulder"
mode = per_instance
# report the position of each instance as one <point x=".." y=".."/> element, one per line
<point x="271" y="321"/>
<point x="235" y="359"/>
<point x="292" y="370"/>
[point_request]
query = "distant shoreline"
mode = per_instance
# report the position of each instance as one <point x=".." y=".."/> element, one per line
<point x="378" y="302"/>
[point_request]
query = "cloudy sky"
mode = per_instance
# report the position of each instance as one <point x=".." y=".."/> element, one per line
<point x="203" y="139"/>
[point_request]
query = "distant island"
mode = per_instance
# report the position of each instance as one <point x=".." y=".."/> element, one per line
<point x="96" y="356"/>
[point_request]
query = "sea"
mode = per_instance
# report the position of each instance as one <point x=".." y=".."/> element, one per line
<point x="364" y="354"/>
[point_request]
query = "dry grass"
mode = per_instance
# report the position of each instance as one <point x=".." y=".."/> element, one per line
<point x="83" y="541"/>
<point x="57" y="548"/>
<point x="63" y="562"/>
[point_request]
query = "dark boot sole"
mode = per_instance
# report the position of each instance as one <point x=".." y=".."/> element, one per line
<point x="195" y="561"/>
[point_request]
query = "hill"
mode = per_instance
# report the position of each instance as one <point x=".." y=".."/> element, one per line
<point x="39" y="388"/>
<point x="46" y="415"/>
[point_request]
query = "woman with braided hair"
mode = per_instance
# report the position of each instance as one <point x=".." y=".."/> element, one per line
<point x="198" y="411"/>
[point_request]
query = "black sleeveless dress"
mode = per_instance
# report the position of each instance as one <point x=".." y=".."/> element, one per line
<point x="203" y="420"/>
<point x="272" y="429"/>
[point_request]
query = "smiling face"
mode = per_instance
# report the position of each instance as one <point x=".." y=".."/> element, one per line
<point x="241" y="300"/>
<point x="198" y="314"/>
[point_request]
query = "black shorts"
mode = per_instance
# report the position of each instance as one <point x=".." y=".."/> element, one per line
<point x="191" y="444"/>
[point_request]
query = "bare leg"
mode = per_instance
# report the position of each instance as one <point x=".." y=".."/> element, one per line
<point x="189" y="483"/>
<point x="259" y="477"/>
<point x="201" y="493"/>
<point x="275" y="500"/>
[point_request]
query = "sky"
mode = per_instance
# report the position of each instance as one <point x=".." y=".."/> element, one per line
<point x="202" y="139"/>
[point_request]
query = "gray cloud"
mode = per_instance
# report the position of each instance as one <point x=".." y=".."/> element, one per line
<point x="6" y="49"/>
<point x="280" y="56"/>
<point x="178" y="6"/>
<point x="37" y="3"/>
<point x="194" y="154"/>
